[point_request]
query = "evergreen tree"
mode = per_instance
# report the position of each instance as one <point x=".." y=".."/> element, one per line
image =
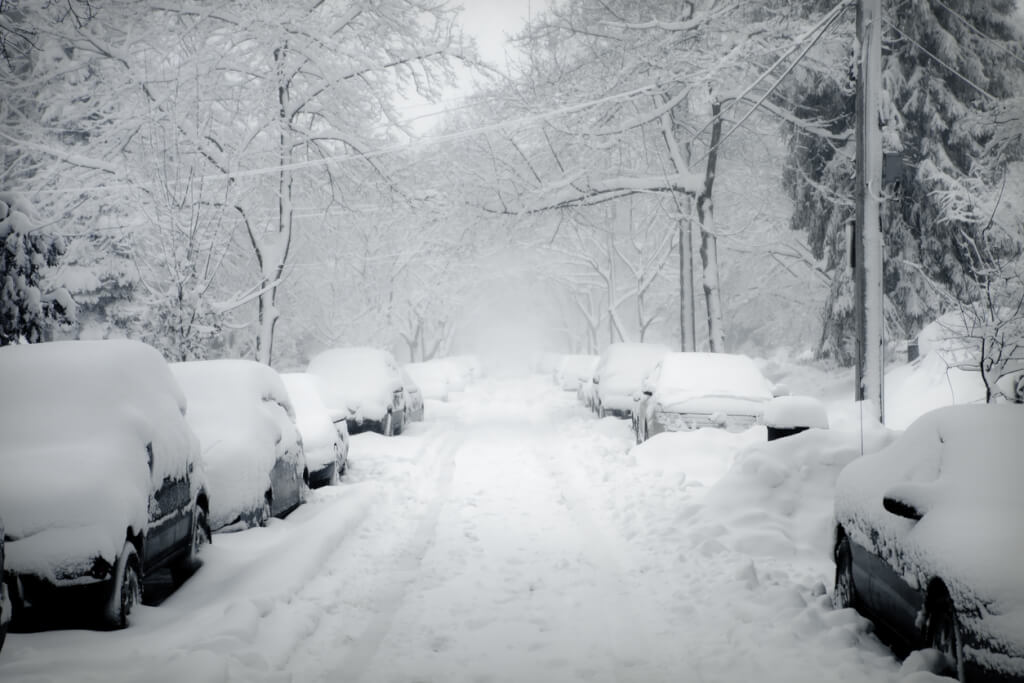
<point x="946" y="64"/>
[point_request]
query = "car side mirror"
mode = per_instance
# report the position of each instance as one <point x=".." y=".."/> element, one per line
<point x="901" y="508"/>
<point x="909" y="501"/>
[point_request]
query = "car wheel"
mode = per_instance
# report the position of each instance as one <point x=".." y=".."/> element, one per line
<point x="201" y="535"/>
<point x="389" y="426"/>
<point x="6" y="607"/>
<point x="125" y="588"/>
<point x="943" y="634"/>
<point x="267" y="511"/>
<point x="845" y="593"/>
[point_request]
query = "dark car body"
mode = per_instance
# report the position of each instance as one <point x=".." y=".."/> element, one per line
<point x="131" y="480"/>
<point x="929" y="539"/>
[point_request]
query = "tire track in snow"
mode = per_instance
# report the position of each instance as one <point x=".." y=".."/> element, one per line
<point x="365" y="648"/>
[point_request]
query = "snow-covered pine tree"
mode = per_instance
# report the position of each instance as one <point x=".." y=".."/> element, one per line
<point x="29" y="308"/>
<point x="945" y="62"/>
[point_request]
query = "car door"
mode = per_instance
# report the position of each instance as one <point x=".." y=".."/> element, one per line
<point x="170" y="515"/>
<point x="286" y="475"/>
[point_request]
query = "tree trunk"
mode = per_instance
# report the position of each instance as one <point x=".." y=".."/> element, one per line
<point x="709" y="242"/>
<point x="687" y="315"/>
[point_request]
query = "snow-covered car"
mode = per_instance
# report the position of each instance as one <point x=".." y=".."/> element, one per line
<point x="102" y="480"/>
<point x="456" y="374"/>
<point x="252" y="450"/>
<point x="324" y="443"/>
<point x="431" y="377"/>
<point x="929" y="538"/>
<point x="619" y="375"/>
<point x="575" y="368"/>
<point x="413" y="399"/>
<point x="364" y="386"/>
<point x="690" y="390"/>
<point x="5" y="598"/>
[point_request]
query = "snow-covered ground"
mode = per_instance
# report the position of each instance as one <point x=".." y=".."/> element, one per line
<point x="515" y="537"/>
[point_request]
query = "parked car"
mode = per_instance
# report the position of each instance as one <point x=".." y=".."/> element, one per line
<point x="690" y="390"/>
<point x="5" y="597"/>
<point x="471" y="365"/>
<point x="431" y="377"/>
<point x="456" y="375"/>
<point x="619" y="374"/>
<point x="102" y="480"/>
<point x="575" y="369"/>
<point x="324" y="443"/>
<point x="251" y="446"/>
<point x="929" y="539"/>
<point x="363" y="384"/>
<point x="413" y="399"/>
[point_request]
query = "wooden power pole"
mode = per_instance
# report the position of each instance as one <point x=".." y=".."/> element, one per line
<point x="867" y="244"/>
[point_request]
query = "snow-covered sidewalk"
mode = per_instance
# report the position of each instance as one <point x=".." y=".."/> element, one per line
<point x="513" y="537"/>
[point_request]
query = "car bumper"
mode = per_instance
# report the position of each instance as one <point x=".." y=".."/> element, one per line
<point x="682" y="422"/>
<point x="322" y="476"/>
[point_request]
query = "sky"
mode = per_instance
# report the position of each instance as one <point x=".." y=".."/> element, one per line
<point x="489" y="23"/>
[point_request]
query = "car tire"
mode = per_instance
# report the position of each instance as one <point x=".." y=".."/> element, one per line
<point x="201" y="536"/>
<point x="943" y="634"/>
<point x="267" y="511"/>
<point x="844" y="593"/>
<point x="125" y="588"/>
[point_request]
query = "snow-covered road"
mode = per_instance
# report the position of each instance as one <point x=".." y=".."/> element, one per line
<point x="513" y="537"/>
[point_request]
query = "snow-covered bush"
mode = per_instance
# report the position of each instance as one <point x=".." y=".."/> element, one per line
<point x="28" y="306"/>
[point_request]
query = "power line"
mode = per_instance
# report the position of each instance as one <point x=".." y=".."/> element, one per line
<point x="971" y="27"/>
<point x="953" y="71"/>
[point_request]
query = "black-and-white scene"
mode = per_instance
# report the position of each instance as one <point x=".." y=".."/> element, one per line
<point x="511" y="341"/>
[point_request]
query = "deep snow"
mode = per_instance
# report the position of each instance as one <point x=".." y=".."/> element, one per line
<point x="515" y="537"/>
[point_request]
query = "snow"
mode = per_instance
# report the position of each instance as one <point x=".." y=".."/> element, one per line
<point x="357" y="381"/>
<point x="514" y="537"/>
<point x="431" y="377"/>
<point x="575" y="368"/>
<point x="621" y="371"/>
<point x="75" y="422"/>
<point x="787" y="412"/>
<point x="245" y="421"/>
<point x="686" y="376"/>
<point x="320" y="439"/>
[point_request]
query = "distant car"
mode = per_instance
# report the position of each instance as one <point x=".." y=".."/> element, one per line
<point x="251" y="447"/>
<point x="413" y="399"/>
<point x="574" y="369"/>
<point x="456" y="374"/>
<point x="364" y="385"/>
<point x="619" y="375"/>
<point x="102" y="480"/>
<point x="431" y="377"/>
<point x="5" y="597"/>
<point x="929" y="539"/>
<point x="323" y="443"/>
<point x="690" y="390"/>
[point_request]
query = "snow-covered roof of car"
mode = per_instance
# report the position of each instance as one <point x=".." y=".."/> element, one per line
<point x="76" y="418"/>
<point x="361" y="380"/>
<point x="431" y="377"/>
<point x="623" y="366"/>
<point x="692" y="374"/>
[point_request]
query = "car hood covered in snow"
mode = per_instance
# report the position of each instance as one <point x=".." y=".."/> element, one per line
<point x="76" y="420"/>
<point x="622" y="369"/>
<point x="730" y="381"/>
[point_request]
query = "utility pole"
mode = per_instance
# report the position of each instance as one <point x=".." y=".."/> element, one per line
<point x="867" y="243"/>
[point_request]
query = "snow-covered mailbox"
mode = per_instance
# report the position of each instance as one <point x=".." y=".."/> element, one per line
<point x="102" y="482"/>
<point x="788" y="415"/>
